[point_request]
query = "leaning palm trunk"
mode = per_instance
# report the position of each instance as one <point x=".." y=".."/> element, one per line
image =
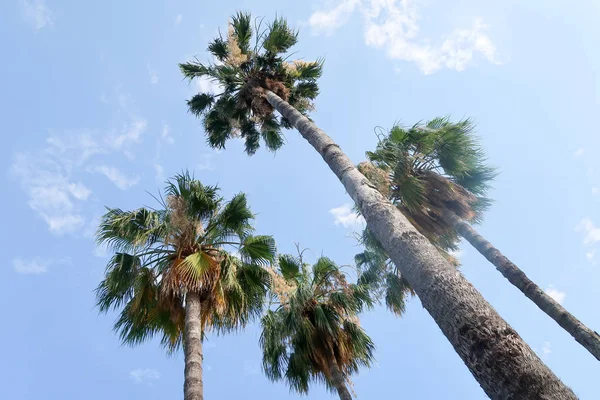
<point x="338" y="381"/>
<point x="503" y="364"/>
<point x="584" y="335"/>
<point x="192" y="346"/>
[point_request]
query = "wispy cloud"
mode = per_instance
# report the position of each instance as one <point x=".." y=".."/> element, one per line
<point x="328" y="21"/>
<point x="591" y="256"/>
<point x="37" y="14"/>
<point x="394" y="26"/>
<point x="206" y="162"/>
<point x="591" y="232"/>
<point x="129" y="135"/>
<point x="457" y="253"/>
<point x="51" y="176"/>
<point x="34" y="266"/>
<point x="146" y="375"/>
<point x="166" y="134"/>
<point x="52" y="193"/>
<point x="556" y="294"/>
<point x="206" y="85"/>
<point x="345" y="216"/>
<point x="547" y="349"/>
<point x="153" y="75"/>
<point x="116" y="176"/>
<point x="178" y="19"/>
<point x="579" y="152"/>
<point x="159" y="173"/>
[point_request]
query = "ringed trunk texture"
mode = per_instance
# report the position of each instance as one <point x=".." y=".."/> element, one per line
<point x="193" y="388"/>
<point x="499" y="359"/>
<point x="582" y="334"/>
<point x="337" y="380"/>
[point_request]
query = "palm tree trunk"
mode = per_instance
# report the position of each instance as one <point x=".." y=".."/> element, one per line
<point x="584" y="335"/>
<point x="193" y="388"/>
<point x="337" y="380"/>
<point x="503" y="364"/>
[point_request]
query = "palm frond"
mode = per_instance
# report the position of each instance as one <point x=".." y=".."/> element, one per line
<point x="280" y="37"/>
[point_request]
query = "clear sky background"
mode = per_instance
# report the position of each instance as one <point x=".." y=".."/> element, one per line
<point x="93" y="114"/>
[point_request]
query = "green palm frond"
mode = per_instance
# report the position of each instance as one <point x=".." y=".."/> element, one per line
<point x="245" y="72"/>
<point x="181" y="248"/>
<point x="280" y="37"/>
<point x="258" y="250"/>
<point x="218" y="48"/>
<point x="200" y="103"/>
<point x="424" y="170"/>
<point x="316" y="322"/>
<point x="130" y="230"/>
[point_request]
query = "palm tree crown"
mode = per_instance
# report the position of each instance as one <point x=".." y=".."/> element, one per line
<point x="314" y="326"/>
<point x="163" y="254"/>
<point x="246" y="62"/>
<point x="424" y="170"/>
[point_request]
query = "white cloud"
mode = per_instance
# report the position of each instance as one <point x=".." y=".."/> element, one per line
<point x="153" y="75"/>
<point x="140" y="375"/>
<point x="456" y="253"/>
<point x="49" y="176"/>
<point x="178" y="19"/>
<point x="79" y="191"/>
<point x="591" y="256"/>
<point x="547" y="348"/>
<point x="117" y="177"/>
<point x="131" y="133"/>
<point x="556" y="294"/>
<point x="394" y="25"/>
<point x="206" y="85"/>
<point x="595" y="191"/>
<point x="37" y="14"/>
<point x="166" y="134"/>
<point x="579" y="152"/>
<point x="328" y="21"/>
<point x="46" y="181"/>
<point x="592" y="233"/>
<point x="35" y="266"/>
<point x="345" y="216"/>
<point x="206" y="163"/>
<point x="159" y="173"/>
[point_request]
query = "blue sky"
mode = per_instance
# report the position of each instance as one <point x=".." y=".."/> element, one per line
<point x="94" y="115"/>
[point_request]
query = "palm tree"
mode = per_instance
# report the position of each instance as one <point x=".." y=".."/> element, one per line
<point x="314" y="332"/>
<point x="173" y="276"/>
<point x="256" y="80"/>
<point x="435" y="174"/>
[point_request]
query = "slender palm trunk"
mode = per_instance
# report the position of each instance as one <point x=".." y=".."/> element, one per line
<point x="503" y="364"/>
<point x="337" y="380"/>
<point x="192" y="346"/>
<point x="584" y="335"/>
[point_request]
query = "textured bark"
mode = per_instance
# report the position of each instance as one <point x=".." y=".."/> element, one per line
<point x="337" y="380"/>
<point x="582" y="334"/>
<point x="192" y="346"/>
<point x="503" y="364"/>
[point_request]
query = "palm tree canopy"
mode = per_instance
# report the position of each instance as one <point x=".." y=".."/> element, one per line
<point x="424" y="170"/>
<point x="432" y="167"/>
<point x="314" y="322"/>
<point x="249" y="60"/>
<point x="162" y="254"/>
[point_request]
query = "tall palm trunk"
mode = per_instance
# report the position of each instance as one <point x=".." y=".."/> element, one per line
<point x="584" y="335"/>
<point x="337" y="380"/>
<point x="192" y="346"/>
<point x="503" y="364"/>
